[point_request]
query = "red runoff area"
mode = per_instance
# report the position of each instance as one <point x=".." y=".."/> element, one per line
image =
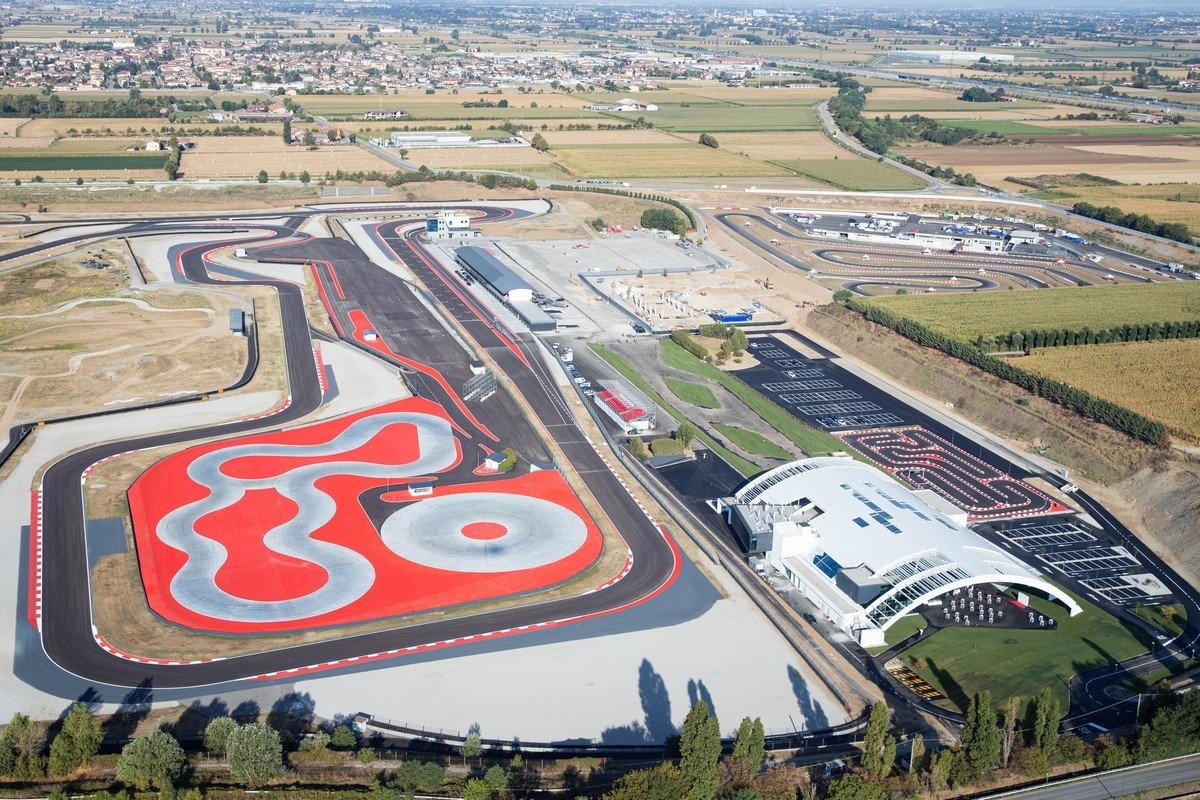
<point x="255" y="572"/>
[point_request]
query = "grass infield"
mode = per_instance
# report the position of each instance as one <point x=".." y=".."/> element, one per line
<point x="692" y="393"/>
<point x="752" y="442"/>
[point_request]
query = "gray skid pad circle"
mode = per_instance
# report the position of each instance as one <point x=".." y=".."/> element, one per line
<point x="430" y="532"/>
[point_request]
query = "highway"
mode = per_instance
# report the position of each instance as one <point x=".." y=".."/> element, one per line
<point x="67" y="635"/>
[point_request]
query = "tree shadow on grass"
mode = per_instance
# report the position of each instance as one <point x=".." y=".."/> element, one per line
<point x="953" y="689"/>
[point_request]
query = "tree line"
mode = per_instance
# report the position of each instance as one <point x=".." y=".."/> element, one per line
<point x="1175" y="231"/>
<point x="33" y="105"/>
<point x="1084" y="403"/>
<point x="1030" y="340"/>
<point x="692" y="219"/>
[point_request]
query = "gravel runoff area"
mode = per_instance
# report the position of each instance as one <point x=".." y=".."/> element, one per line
<point x="601" y="680"/>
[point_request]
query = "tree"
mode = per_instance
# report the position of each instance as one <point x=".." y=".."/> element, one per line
<point x="842" y="295"/>
<point x="855" y="787"/>
<point x="21" y="748"/>
<point x="1046" y="713"/>
<point x="472" y="746"/>
<point x="305" y="177"/>
<point x="496" y="778"/>
<point x="685" y="433"/>
<point x="916" y="758"/>
<point x="749" y="746"/>
<point x="664" y="219"/>
<point x="216" y="735"/>
<point x="343" y="738"/>
<point x="539" y="143"/>
<point x="310" y="138"/>
<point x="879" y="748"/>
<point x="699" y="749"/>
<point x="77" y="742"/>
<point x="255" y="754"/>
<point x="664" y="782"/>
<point x="1008" y="735"/>
<point x="262" y="176"/>
<point x="981" y="737"/>
<point x="708" y="140"/>
<point x="151" y="761"/>
<point x="477" y="789"/>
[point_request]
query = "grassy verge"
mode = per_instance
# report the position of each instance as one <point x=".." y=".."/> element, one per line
<point x="692" y="393"/>
<point x="1169" y="622"/>
<point x="905" y="627"/>
<point x="617" y="362"/>
<point x="1148" y="682"/>
<point x="752" y="442"/>
<point x="810" y="440"/>
<point x="963" y="661"/>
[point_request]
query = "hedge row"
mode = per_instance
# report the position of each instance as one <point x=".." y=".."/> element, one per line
<point x="1031" y="340"/>
<point x="1109" y="413"/>
<point x="684" y="339"/>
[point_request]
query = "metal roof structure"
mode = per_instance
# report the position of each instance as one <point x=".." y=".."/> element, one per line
<point x="833" y="515"/>
<point x="502" y="279"/>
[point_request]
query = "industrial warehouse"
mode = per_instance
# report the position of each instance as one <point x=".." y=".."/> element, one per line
<point x="863" y="548"/>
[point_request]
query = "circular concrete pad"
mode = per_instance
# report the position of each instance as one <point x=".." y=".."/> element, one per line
<point x="484" y="532"/>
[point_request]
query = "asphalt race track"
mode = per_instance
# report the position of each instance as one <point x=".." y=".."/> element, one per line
<point x="67" y="635"/>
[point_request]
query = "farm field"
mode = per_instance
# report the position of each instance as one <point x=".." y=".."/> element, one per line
<point x="639" y="136"/>
<point x="444" y="105"/>
<point x="243" y="157"/>
<point x="479" y="157"/>
<point x="992" y="164"/>
<point x="706" y="116"/>
<point x="915" y="100"/>
<point x="1010" y="127"/>
<point x="658" y="161"/>
<point x="747" y="95"/>
<point x="854" y="174"/>
<point x="1168" y="202"/>
<point x="774" y="146"/>
<point x="1159" y="379"/>
<point x="962" y="661"/>
<point x="967" y="316"/>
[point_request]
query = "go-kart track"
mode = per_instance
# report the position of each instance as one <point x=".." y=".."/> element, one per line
<point x="926" y="461"/>
<point x="302" y="497"/>
<point x="265" y="533"/>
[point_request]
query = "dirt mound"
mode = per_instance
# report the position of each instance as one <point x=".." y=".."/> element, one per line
<point x="1163" y="504"/>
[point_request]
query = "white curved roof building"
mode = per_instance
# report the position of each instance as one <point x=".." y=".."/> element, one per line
<point x="864" y="548"/>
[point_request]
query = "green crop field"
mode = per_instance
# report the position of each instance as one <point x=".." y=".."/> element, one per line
<point x="853" y="174"/>
<point x="694" y="393"/>
<point x="963" y="661"/>
<point x="752" y="442"/>
<point x="714" y="117"/>
<point x="18" y="161"/>
<point x="968" y="316"/>
<point x="658" y="161"/>
<point x="1006" y="127"/>
<point x="419" y="110"/>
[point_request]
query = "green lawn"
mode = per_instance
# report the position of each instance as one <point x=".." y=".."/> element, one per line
<point x="811" y="441"/>
<point x="905" y="627"/>
<point x="617" y="362"/>
<point x="1170" y="623"/>
<point x="752" y="442"/>
<point x="693" y="393"/>
<point x="853" y="174"/>
<point x="963" y="661"/>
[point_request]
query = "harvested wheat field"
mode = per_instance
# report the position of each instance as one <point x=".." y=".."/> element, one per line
<point x="762" y="96"/>
<point x="10" y="126"/>
<point x="797" y="145"/>
<point x="641" y="136"/>
<point x="107" y="126"/>
<point x="994" y="164"/>
<point x="243" y="157"/>
<point x="478" y="157"/>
